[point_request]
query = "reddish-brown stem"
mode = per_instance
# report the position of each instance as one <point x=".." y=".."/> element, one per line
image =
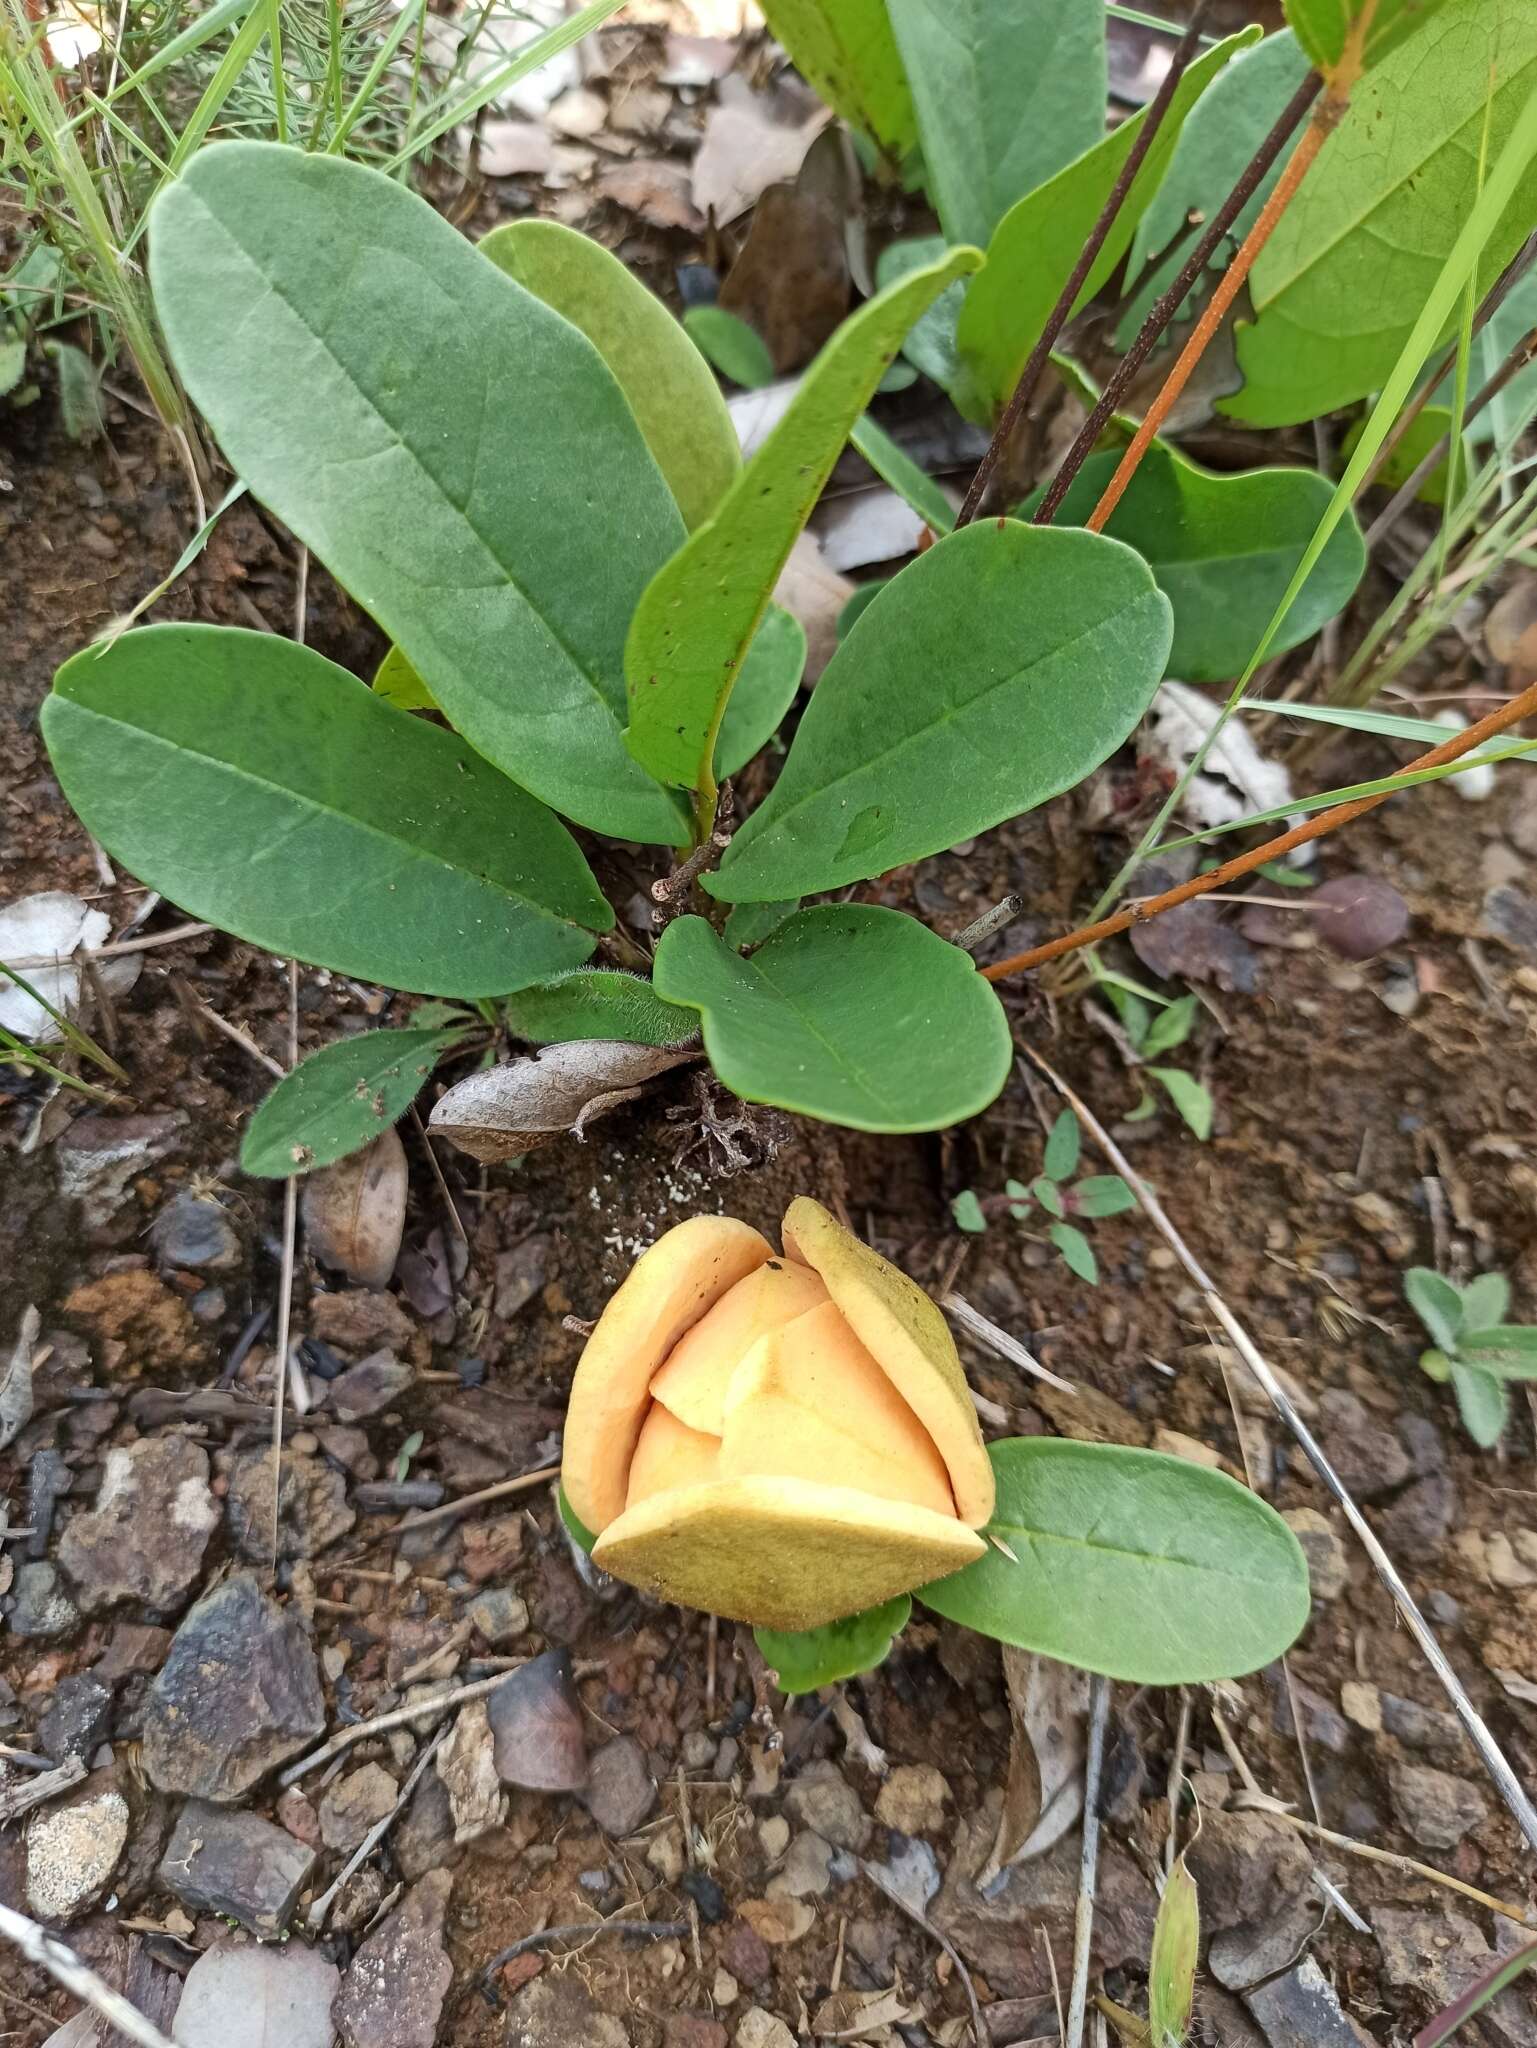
<point x="1169" y="303"/>
<point x="1297" y="166"/>
<point x="1062" y="311"/>
<point x="1519" y="707"/>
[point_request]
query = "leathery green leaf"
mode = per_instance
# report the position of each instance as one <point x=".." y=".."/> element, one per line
<point x="807" y="1659"/>
<point x="457" y="454"/>
<point x="1339" y="285"/>
<point x="597" y="1002"/>
<point x="845" y="48"/>
<point x="698" y="615"/>
<point x="340" y="1099"/>
<point x="1056" y="638"/>
<point x="672" y="392"/>
<point x="856" y="1015"/>
<point x="1131" y="1563"/>
<point x="1322" y="26"/>
<point x="1222" y="549"/>
<point x="261" y="787"/>
<point x="1032" y="253"/>
<point x="764" y="691"/>
<point x="1007" y="92"/>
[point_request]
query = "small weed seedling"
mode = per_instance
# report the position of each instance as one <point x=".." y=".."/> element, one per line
<point x="1097" y="1194"/>
<point x="1158" y="1031"/>
<point x="1472" y="1345"/>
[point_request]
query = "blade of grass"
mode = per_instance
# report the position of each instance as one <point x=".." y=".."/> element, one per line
<point x="407" y="19"/>
<point x="76" y="1039"/>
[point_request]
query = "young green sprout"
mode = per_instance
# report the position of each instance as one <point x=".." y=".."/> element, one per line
<point x="1097" y="1194"/>
<point x="1472" y="1345"/>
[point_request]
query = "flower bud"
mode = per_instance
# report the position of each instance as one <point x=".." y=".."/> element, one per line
<point x="780" y="1440"/>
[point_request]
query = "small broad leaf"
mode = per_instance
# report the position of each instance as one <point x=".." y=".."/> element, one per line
<point x="1019" y="1199"/>
<point x="1222" y="549"/>
<point x="1509" y="1352"/>
<point x="1163" y="1032"/>
<point x="1483" y="1402"/>
<point x="1322" y="27"/>
<point x="1190" y="1098"/>
<point x="1485" y="1301"/>
<point x="765" y="690"/>
<point x="1063" y="1145"/>
<point x="1038" y="241"/>
<point x="1437" y="1303"/>
<point x="261" y="787"/>
<point x="398" y="683"/>
<point x="1077" y="1252"/>
<point x="968" y="1213"/>
<point x="507" y="1110"/>
<point x="736" y="349"/>
<point x="672" y="394"/>
<point x="749" y="924"/>
<point x="929" y="344"/>
<point x="1102" y="1194"/>
<point x="1007" y="92"/>
<point x="1058" y="638"/>
<point x="1140" y="1566"/>
<point x="597" y="1002"/>
<point x="845" y="48"/>
<point x="814" y="1657"/>
<point x="1048" y="1194"/>
<point x="1171" y="1970"/>
<point x="339" y="1099"/>
<point x="409" y="411"/>
<point x="856" y="1015"/>
<point x="699" y="613"/>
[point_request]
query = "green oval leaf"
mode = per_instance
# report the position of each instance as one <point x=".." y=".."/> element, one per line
<point x="1055" y="638"/>
<point x="1140" y="1566"/>
<point x="1064" y="1142"/>
<point x="1222" y="549"/>
<point x="737" y="350"/>
<point x="597" y="1002"/>
<point x="339" y="1100"/>
<point x="1483" y="1402"/>
<point x="672" y="393"/>
<point x="458" y="455"/>
<point x="765" y="690"/>
<point x="398" y="683"/>
<point x="1437" y="1303"/>
<point x="694" y="623"/>
<point x="261" y="787"/>
<point x="810" y="1658"/>
<point x="856" y="1015"/>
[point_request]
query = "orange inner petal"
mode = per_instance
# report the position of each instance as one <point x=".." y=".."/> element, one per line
<point x="693" y="1381"/>
<point x="669" y="1454"/>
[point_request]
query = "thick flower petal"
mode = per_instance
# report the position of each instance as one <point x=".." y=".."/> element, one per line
<point x="694" y="1380"/>
<point x="668" y="1454"/>
<point x="665" y="1293"/>
<point x="782" y="1553"/>
<point x="909" y="1339"/>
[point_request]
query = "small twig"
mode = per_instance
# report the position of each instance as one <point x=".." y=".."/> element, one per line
<point x="39" y="1790"/>
<point x="988" y="1333"/>
<point x="1493" y="1757"/>
<point x="1088" y="1868"/>
<point x="285" y="1280"/>
<point x="396" y="1718"/>
<point x="972" y="935"/>
<point x="315" y="1918"/>
<point x="586" y="1930"/>
<point x="65" y="1967"/>
<point x="504" y="1489"/>
<point x="455" y="1643"/>
<point x="116" y="949"/>
<point x="302" y="594"/>
<point x="234" y="1032"/>
<point x="1165" y="308"/>
<point x="1411" y="1864"/>
<point x="1062" y="311"/>
<point x="437" y="1173"/>
<point x="1317" y="827"/>
<point x="922" y="1921"/>
<point x="1177" y="1778"/>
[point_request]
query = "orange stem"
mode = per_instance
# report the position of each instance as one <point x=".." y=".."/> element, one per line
<point x="1522" y="706"/>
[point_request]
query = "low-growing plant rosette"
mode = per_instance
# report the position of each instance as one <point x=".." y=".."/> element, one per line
<point x="789" y="1440"/>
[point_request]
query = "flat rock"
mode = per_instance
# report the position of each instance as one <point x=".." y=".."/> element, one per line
<point x="620" y="1788"/>
<point x="1434" y="1807"/>
<point x="1416" y="1526"/>
<point x="1254" y="1875"/>
<point x="240" y="1996"/>
<point x="466" y="1764"/>
<point x="370" y="1385"/>
<point x="823" y="1800"/>
<point x="392" y="1995"/>
<point x="1370" y="1458"/>
<point x="195" y="1232"/>
<point x="807" y="1871"/>
<point x="558" y="2012"/>
<point x="145" y="1537"/>
<point x="498" y="1615"/>
<point x="758" y="2028"/>
<point x="40" y="1606"/>
<point x="238" y="1694"/>
<point x="1430" y="1730"/>
<point x="99" y="1155"/>
<point x="913" y="1800"/>
<point x="1302" y="2010"/>
<point x="536" y="1726"/>
<point x="75" y="1720"/>
<point x="1328" y="1559"/>
<point x="423" y="1838"/>
<point x="73" y="1849"/>
<point x="313" y="1510"/>
<point x="236" y="1865"/>
<point x="360" y="1320"/>
<point x="353" y="1804"/>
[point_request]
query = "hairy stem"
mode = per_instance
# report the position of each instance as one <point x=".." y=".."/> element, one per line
<point x="1317" y="827"/>
<point x="1062" y="311"/>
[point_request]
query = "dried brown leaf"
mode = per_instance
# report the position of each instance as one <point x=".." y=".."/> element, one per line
<point x="355" y="1211"/>
<point x="1048" y="1707"/>
<point x="509" y="1109"/>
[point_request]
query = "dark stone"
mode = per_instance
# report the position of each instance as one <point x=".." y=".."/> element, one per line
<point x="360" y="1321"/>
<point x="312" y="1504"/>
<point x="133" y="1650"/>
<point x="620" y="1788"/>
<point x="1418" y="1523"/>
<point x="1436" y="1808"/>
<point x="75" y="1721"/>
<point x="236" y="1865"/>
<point x="746" y="1955"/>
<point x="48" y="1480"/>
<point x="239" y="1694"/>
<point x="371" y="1385"/>
<point x="1369" y="1457"/>
<point x="1512" y="916"/>
<point x="144" y="1539"/>
<point x="706" y="1894"/>
<point x="423" y="1839"/>
<point x="392" y="1995"/>
<point x="1428" y="1729"/>
<point x="193" y="1232"/>
<point x="1302" y="2010"/>
<point x="39" y="1604"/>
<point x="1359" y="916"/>
<point x="536" y="1724"/>
<point x="1254" y="1875"/>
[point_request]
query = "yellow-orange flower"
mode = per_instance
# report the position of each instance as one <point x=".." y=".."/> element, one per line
<point x="781" y="1440"/>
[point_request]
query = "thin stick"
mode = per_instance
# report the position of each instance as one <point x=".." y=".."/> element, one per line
<point x="437" y="1174"/>
<point x="236" y="1034"/>
<point x="62" y="1964"/>
<point x="396" y="1718"/>
<point x="1177" y="1778"/>
<point x="315" y="1918"/>
<point x="1408" y="1863"/>
<point x="983" y="927"/>
<point x="117" y="948"/>
<point x="1062" y="311"/>
<point x="656" y="1930"/>
<point x="1168" y="305"/>
<point x="1316" y="827"/>
<point x="1088" y="1868"/>
<point x="1008" y="1347"/>
<point x="285" y="1284"/>
<point x="47" y="1785"/>
<point x="504" y="1489"/>
<point x="1494" y="1760"/>
<point x="1298" y="165"/>
<point x="922" y="1921"/>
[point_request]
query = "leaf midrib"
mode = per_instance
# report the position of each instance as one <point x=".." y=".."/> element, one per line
<point x="1029" y="1535"/>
